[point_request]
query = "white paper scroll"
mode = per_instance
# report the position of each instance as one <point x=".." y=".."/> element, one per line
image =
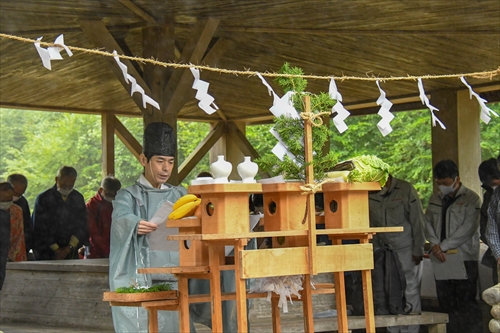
<point x="485" y="111"/>
<point x="425" y="101"/>
<point x="134" y="86"/>
<point x="384" y="125"/>
<point x="206" y="101"/>
<point x="52" y="52"/>
<point x="342" y="113"/>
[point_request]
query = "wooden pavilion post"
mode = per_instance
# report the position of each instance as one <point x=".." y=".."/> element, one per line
<point x="108" y="143"/>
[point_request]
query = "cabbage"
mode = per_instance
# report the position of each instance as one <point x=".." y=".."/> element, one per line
<point x="369" y="168"/>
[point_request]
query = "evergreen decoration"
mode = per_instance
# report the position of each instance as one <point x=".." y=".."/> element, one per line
<point x="134" y="289"/>
<point x="291" y="132"/>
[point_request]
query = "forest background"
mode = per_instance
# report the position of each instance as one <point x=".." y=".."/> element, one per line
<point x="37" y="144"/>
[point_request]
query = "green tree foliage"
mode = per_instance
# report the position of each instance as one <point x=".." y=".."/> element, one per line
<point x="490" y="135"/>
<point x="37" y="144"/>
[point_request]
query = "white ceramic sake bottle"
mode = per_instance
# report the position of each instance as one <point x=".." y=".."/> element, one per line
<point x="221" y="169"/>
<point x="247" y="170"/>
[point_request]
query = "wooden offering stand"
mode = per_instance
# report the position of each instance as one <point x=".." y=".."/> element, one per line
<point x="289" y="218"/>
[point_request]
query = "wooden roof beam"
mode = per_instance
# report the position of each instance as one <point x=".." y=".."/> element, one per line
<point x="127" y="138"/>
<point x="197" y="154"/>
<point x="99" y="35"/>
<point x="176" y="90"/>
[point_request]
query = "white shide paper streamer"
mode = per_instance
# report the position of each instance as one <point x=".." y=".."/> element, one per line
<point x="485" y="111"/>
<point x="281" y="106"/>
<point x="134" y="86"/>
<point x="206" y="101"/>
<point x="425" y="100"/>
<point x="52" y="52"/>
<point x="342" y="113"/>
<point x="384" y="125"/>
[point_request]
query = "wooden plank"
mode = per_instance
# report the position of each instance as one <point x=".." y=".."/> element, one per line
<point x="179" y="84"/>
<point x="277" y="261"/>
<point x="171" y="303"/>
<point x="152" y="320"/>
<point x="184" y="324"/>
<point x="275" y="314"/>
<point x="368" y="295"/>
<point x="323" y="291"/>
<point x="347" y="257"/>
<point x="241" y="300"/>
<point x="127" y="138"/>
<point x="139" y="297"/>
<point x="99" y="35"/>
<point x="203" y="147"/>
<point x="184" y="223"/>
<point x="356" y="232"/>
<point x="307" y="306"/>
<point x="137" y="10"/>
<point x="174" y="270"/>
<point x="215" y="290"/>
<point x="217" y="237"/>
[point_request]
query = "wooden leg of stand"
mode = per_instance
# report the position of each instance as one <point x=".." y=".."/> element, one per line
<point x="241" y="290"/>
<point x="307" y="305"/>
<point x="276" y="314"/>
<point x="340" y="299"/>
<point x="184" y="325"/>
<point x="215" y="291"/>
<point x="153" y="320"/>
<point x="368" y="296"/>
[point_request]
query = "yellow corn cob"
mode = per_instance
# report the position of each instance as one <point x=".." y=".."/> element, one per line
<point x="187" y="209"/>
<point x="184" y="200"/>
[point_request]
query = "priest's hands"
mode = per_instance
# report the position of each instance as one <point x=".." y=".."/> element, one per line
<point x="146" y="227"/>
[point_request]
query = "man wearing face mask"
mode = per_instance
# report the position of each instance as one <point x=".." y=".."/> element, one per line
<point x="99" y="209"/>
<point x="20" y="183"/>
<point x="60" y="219"/>
<point x="489" y="174"/>
<point x="452" y="222"/>
<point x="398" y="205"/>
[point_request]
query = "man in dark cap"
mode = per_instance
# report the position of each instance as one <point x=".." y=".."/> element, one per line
<point x="130" y="240"/>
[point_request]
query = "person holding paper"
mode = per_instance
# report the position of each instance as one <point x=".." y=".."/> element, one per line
<point x="398" y="204"/>
<point x="134" y="230"/>
<point x="452" y="223"/>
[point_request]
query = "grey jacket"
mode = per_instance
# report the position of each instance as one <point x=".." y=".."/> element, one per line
<point x="462" y="223"/>
<point x="400" y="207"/>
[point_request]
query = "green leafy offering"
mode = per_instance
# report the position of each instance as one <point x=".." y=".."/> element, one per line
<point x="291" y="130"/>
<point x="369" y="168"/>
<point x="133" y="289"/>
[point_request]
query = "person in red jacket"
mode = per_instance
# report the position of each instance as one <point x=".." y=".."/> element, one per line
<point x="99" y="209"/>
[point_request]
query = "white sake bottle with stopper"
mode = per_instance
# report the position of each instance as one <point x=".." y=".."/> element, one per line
<point x="247" y="170"/>
<point x="221" y="169"/>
